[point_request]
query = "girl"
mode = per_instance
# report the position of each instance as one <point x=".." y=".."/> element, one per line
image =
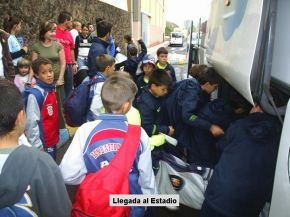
<point x="22" y="78"/>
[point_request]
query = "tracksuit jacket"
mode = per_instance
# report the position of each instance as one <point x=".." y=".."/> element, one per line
<point x="203" y="149"/>
<point x="243" y="178"/>
<point x="98" y="47"/>
<point x="149" y="107"/>
<point x="42" y="124"/>
<point x="88" y="153"/>
<point x="182" y="105"/>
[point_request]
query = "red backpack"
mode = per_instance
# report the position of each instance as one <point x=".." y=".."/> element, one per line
<point x="93" y="196"/>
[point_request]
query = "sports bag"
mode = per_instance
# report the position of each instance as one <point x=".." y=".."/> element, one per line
<point x="77" y="104"/>
<point x="93" y="195"/>
<point x="174" y="176"/>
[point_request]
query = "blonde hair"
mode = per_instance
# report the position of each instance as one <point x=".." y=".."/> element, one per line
<point x="116" y="91"/>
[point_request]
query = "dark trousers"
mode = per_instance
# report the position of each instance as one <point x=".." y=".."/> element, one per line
<point x="51" y="151"/>
<point x="68" y="80"/>
<point x="207" y="211"/>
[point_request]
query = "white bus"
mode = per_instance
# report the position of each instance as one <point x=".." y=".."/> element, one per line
<point x="247" y="42"/>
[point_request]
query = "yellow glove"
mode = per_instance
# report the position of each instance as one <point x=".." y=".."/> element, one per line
<point x="156" y="140"/>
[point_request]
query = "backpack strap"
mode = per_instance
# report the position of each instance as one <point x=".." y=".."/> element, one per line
<point x="126" y="154"/>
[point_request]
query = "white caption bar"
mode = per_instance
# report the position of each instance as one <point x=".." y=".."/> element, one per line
<point x="144" y="200"/>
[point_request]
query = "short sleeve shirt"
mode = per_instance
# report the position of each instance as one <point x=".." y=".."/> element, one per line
<point x="51" y="53"/>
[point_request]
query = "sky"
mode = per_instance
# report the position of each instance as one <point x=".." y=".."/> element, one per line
<point x="180" y="10"/>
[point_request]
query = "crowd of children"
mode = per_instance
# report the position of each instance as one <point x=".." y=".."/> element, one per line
<point x="154" y="99"/>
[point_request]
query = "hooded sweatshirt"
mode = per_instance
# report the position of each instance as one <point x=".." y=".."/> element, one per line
<point x="31" y="183"/>
<point x="243" y="178"/>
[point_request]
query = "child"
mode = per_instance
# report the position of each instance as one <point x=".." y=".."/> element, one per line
<point x="129" y="42"/>
<point x="42" y="126"/>
<point x="147" y="67"/>
<point x="22" y="78"/>
<point x="183" y="104"/>
<point x="117" y="95"/>
<point x="31" y="183"/>
<point x="105" y="65"/>
<point x="150" y="102"/>
<point x="131" y="64"/>
<point x="162" y="56"/>
<point x="243" y="178"/>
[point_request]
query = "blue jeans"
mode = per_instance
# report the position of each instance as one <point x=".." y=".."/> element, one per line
<point x="68" y="80"/>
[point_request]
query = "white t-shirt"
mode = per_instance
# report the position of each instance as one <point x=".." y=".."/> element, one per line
<point x="1" y="62"/>
<point x="14" y="46"/>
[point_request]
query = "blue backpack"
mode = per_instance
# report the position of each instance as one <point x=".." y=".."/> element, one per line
<point x="77" y="104"/>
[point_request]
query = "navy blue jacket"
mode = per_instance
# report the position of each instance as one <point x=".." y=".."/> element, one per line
<point x="141" y="84"/>
<point x="149" y="107"/>
<point x="170" y="68"/>
<point x="182" y="106"/>
<point x="98" y="47"/>
<point x="243" y="178"/>
<point x="131" y="64"/>
<point x="202" y="148"/>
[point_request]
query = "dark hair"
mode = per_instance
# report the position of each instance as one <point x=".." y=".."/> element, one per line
<point x="98" y="19"/>
<point x="85" y="25"/>
<point x="38" y="62"/>
<point x="103" y="61"/>
<point x="196" y="69"/>
<point x="9" y="22"/>
<point x="209" y="75"/>
<point x="128" y="38"/>
<point x="133" y="51"/>
<point x="103" y="28"/>
<point x="44" y="28"/>
<point x="162" y="50"/>
<point x="11" y="103"/>
<point x="116" y="91"/>
<point x="89" y="24"/>
<point x="64" y="16"/>
<point x="160" y="77"/>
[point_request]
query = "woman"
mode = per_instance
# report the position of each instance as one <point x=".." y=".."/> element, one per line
<point x="13" y="26"/>
<point x="52" y="50"/>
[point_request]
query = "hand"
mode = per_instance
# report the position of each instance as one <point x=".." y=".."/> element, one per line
<point x="59" y="82"/>
<point x="216" y="131"/>
<point x="25" y="48"/>
<point x="74" y="69"/>
<point x="171" y="131"/>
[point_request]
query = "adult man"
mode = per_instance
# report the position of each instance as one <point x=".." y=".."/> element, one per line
<point x="65" y="38"/>
<point x="100" y="44"/>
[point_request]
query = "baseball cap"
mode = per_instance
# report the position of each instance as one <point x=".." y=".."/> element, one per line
<point x="148" y="59"/>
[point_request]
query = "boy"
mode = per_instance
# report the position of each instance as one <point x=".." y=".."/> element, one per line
<point x="150" y="101"/>
<point x="131" y="64"/>
<point x="42" y="126"/>
<point x="147" y="67"/>
<point x="117" y="95"/>
<point x="243" y="178"/>
<point x="162" y="56"/>
<point x="184" y="102"/>
<point x="105" y="65"/>
<point x="31" y="183"/>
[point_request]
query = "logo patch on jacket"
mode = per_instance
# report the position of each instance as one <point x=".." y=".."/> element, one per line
<point x="176" y="181"/>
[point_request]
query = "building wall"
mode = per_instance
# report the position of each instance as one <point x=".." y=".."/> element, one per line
<point x="33" y="12"/>
<point x="155" y="9"/>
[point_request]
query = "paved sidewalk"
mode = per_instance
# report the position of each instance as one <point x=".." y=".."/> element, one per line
<point x="152" y="50"/>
